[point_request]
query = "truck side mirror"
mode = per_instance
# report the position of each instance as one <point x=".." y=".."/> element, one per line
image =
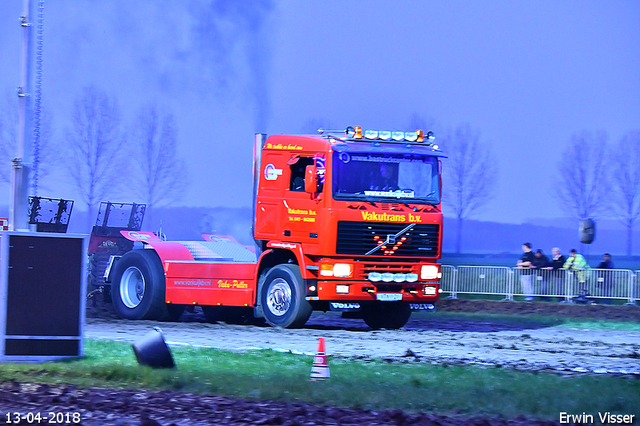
<point x="311" y="179"/>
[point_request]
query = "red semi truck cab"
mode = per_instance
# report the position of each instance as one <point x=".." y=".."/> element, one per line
<point x="347" y="221"/>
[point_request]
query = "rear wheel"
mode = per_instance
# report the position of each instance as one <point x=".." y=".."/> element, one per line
<point x="138" y="287"/>
<point x="282" y="297"/>
<point x="390" y="315"/>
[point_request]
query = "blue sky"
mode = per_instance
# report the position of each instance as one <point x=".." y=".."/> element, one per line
<point x="526" y="74"/>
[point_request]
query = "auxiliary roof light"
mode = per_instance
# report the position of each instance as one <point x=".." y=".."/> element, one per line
<point x="371" y="134"/>
<point x="397" y="136"/>
<point x="385" y="135"/>
<point x="410" y="136"/>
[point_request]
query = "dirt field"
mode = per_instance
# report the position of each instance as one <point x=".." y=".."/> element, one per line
<point x="522" y="345"/>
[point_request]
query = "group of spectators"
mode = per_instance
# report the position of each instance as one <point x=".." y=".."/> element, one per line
<point x="552" y="273"/>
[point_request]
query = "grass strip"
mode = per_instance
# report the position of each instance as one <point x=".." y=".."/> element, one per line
<point x="376" y="384"/>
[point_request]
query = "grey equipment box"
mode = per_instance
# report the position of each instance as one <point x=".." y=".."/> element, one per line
<point x="42" y="295"/>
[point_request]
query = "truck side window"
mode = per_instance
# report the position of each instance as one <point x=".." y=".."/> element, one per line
<point x="297" y="173"/>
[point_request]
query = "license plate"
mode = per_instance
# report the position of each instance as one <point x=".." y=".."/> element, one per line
<point x="389" y="297"/>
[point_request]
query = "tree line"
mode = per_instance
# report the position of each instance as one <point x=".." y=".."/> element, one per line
<point x="102" y="154"/>
<point x="596" y="178"/>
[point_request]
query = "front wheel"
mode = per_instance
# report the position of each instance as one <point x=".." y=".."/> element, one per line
<point x="390" y="315"/>
<point x="282" y="297"/>
<point x="138" y="287"/>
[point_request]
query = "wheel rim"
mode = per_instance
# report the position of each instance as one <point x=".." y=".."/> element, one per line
<point x="279" y="297"/>
<point x="132" y="287"/>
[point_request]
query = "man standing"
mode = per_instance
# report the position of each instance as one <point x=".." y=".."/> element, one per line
<point x="557" y="273"/>
<point x="540" y="262"/>
<point x="526" y="277"/>
<point x="605" y="278"/>
<point x="578" y="265"/>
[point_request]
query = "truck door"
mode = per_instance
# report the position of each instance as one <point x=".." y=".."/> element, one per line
<point x="301" y="222"/>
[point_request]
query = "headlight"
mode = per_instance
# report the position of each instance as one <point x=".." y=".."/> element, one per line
<point x="342" y="270"/>
<point x="339" y="270"/>
<point x="326" y="270"/>
<point x="429" y="272"/>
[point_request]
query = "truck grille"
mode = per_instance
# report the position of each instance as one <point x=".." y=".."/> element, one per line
<point x="357" y="238"/>
<point x="389" y="267"/>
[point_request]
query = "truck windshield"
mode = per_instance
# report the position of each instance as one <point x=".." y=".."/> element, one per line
<point x="407" y="178"/>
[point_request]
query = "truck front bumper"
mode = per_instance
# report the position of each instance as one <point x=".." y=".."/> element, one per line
<point x="365" y="291"/>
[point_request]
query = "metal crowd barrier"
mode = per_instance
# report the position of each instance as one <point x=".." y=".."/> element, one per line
<point x="448" y="281"/>
<point x="599" y="285"/>
<point x="635" y="290"/>
<point x="488" y="280"/>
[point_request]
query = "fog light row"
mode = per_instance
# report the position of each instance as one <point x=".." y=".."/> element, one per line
<point x="388" y="277"/>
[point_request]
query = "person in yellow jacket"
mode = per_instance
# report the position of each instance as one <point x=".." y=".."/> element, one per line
<point x="578" y="265"/>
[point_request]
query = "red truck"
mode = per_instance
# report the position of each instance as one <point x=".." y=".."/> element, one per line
<point x="347" y="221"/>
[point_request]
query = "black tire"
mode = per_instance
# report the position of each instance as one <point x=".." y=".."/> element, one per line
<point x="138" y="287"/>
<point x="282" y="297"/>
<point x="389" y="315"/>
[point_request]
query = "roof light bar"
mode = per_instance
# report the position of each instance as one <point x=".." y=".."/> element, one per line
<point x="356" y="132"/>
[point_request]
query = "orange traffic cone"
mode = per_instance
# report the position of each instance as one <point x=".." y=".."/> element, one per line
<point x="320" y="369"/>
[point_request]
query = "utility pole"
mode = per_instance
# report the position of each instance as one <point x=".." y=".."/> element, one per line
<point x="18" y="218"/>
